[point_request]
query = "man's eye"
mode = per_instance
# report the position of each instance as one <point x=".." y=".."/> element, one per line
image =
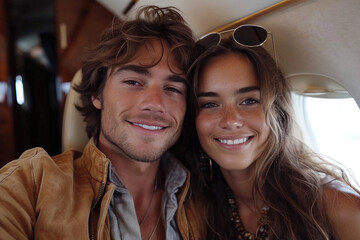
<point x="175" y="90"/>
<point x="132" y="82"/>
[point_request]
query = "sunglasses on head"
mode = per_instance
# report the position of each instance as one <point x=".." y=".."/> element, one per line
<point x="245" y="35"/>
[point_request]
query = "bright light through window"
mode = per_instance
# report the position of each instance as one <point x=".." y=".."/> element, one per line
<point x="19" y="87"/>
<point x="335" y="125"/>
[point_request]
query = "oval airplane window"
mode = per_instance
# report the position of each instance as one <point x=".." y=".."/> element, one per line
<point x="329" y="118"/>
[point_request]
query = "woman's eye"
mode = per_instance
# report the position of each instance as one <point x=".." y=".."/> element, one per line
<point x="208" y="105"/>
<point x="249" y="101"/>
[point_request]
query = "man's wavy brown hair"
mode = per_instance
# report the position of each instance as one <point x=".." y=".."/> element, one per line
<point x="119" y="44"/>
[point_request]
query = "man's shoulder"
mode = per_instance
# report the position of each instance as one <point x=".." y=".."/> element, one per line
<point x="39" y="157"/>
<point x="26" y="160"/>
<point x="37" y="161"/>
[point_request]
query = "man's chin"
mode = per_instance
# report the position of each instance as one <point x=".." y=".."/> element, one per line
<point x="147" y="151"/>
<point x="147" y="157"/>
<point x="147" y="154"/>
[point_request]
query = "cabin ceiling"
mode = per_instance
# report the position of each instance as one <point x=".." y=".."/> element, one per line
<point x="318" y="37"/>
<point x="202" y="15"/>
<point x="312" y="37"/>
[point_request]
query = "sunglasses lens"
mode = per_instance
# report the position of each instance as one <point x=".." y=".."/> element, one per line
<point x="209" y="40"/>
<point x="250" y="35"/>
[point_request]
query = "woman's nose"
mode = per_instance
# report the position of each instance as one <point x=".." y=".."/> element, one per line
<point x="231" y="119"/>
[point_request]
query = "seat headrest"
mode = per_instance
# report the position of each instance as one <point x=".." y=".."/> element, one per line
<point x="73" y="130"/>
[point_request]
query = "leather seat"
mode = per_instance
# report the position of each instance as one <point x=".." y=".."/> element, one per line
<point x="73" y="130"/>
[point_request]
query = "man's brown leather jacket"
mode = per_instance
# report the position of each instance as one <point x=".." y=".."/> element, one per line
<point x="67" y="197"/>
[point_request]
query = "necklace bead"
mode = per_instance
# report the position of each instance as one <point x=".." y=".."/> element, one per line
<point x="240" y="231"/>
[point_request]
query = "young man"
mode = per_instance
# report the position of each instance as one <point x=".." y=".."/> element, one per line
<point x="125" y="184"/>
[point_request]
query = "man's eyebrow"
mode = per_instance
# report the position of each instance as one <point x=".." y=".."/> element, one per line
<point x="178" y="78"/>
<point x="133" y="68"/>
<point x="239" y="91"/>
<point x="145" y="71"/>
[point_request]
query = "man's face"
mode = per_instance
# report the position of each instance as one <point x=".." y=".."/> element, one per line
<point x="142" y="109"/>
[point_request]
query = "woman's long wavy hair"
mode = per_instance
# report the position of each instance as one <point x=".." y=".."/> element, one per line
<point x="119" y="44"/>
<point x="288" y="175"/>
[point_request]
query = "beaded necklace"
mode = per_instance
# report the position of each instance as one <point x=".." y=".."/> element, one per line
<point x="240" y="231"/>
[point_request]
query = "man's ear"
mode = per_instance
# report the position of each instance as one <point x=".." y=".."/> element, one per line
<point x="96" y="102"/>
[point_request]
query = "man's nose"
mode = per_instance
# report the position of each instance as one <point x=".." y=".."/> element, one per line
<point x="153" y="99"/>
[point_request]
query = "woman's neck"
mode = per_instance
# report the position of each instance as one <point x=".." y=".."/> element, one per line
<point x="249" y="203"/>
<point x="241" y="183"/>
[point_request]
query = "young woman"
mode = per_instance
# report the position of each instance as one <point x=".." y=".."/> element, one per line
<point x="257" y="179"/>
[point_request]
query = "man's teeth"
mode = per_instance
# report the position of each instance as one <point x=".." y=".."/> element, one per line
<point x="235" y="141"/>
<point x="148" y="127"/>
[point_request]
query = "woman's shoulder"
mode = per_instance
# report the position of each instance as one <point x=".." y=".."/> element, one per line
<point x="343" y="208"/>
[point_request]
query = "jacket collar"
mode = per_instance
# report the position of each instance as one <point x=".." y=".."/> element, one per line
<point x="95" y="161"/>
<point x="97" y="164"/>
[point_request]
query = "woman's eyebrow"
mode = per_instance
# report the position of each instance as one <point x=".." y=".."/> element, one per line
<point x="248" y="89"/>
<point x="239" y="91"/>
<point x="207" y="94"/>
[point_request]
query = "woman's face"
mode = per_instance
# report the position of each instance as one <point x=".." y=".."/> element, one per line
<point x="231" y="121"/>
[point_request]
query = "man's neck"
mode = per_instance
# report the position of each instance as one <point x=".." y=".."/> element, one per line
<point x="138" y="177"/>
<point x="142" y="180"/>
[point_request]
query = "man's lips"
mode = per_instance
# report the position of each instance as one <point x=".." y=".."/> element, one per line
<point x="149" y="126"/>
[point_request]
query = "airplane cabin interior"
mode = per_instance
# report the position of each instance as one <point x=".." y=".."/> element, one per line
<point x="315" y="42"/>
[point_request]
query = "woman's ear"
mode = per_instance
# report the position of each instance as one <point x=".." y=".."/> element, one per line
<point x="96" y="102"/>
